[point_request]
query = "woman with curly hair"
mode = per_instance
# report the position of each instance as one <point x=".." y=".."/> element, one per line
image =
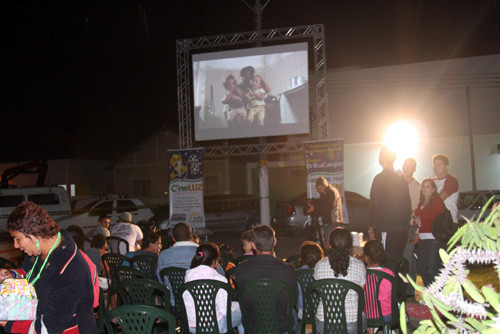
<point x="57" y="269"/>
<point x="339" y="264"/>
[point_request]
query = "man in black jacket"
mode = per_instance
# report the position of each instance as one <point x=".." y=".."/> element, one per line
<point x="265" y="265"/>
<point x="390" y="206"/>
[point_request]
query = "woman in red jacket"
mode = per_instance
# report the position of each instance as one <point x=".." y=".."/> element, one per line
<point x="428" y="209"/>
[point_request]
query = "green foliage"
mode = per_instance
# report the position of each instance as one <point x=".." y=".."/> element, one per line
<point x="475" y="243"/>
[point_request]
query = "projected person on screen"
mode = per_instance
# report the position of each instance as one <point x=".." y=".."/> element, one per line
<point x="257" y="106"/>
<point x="247" y="73"/>
<point x="233" y="99"/>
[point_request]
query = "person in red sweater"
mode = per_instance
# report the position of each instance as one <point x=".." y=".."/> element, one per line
<point x="429" y="207"/>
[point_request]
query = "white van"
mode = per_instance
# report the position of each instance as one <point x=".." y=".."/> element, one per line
<point x="53" y="199"/>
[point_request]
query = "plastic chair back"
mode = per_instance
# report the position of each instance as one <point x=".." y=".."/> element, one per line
<point x="305" y="278"/>
<point x="126" y="272"/>
<point x="101" y="310"/>
<point x="174" y="276"/>
<point x="144" y="292"/>
<point x="111" y="262"/>
<point x="262" y="297"/>
<point x="204" y="294"/>
<point x="373" y="309"/>
<point x="117" y="245"/>
<point x="146" y="264"/>
<point x="138" y="319"/>
<point x="398" y="264"/>
<point x="333" y="293"/>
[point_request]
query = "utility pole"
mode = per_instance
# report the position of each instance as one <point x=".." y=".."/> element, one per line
<point x="265" y="206"/>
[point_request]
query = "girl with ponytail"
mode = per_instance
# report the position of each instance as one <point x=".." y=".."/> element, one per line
<point x="340" y="265"/>
<point x="203" y="266"/>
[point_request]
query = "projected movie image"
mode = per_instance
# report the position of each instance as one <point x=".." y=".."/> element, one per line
<point x="251" y="92"/>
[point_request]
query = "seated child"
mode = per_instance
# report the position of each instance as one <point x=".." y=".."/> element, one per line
<point x="375" y="256"/>
<point x="226" y="251"/>
<point x="98" y="249"/>
<point x="310" y="254"/>
<point x="246" y="243"/>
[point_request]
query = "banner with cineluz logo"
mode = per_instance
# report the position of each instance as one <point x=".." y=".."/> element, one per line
<point x="186" y="187"/>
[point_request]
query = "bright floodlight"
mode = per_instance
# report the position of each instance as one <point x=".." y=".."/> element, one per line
<point x="402" y="138"/>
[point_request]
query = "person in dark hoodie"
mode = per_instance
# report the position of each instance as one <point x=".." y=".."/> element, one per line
<point x="57" y="269"/>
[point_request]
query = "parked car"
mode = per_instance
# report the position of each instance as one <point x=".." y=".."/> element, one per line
<point x="470" y="203"/>
<point x="53" y="199"/>
<point x="289" y="216"/>
<point x="223" y="213"/>
<point x="87" y="217"/>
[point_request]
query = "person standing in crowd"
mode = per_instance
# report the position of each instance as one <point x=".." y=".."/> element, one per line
<point x="59" y="272"/>
<point x="409" y="167"/>
<point x="429" y="207"/>
<point x="390" y="206"/>
<point x="265" y="265"/>
<point x="339" y="264"/>
<point x="447" y="184"/>
<point x="102" y="227"/>
<point x="127" y="231"/>
<point x="330" y="206"/>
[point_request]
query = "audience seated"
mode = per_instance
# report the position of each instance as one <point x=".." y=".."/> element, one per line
<point x="265" y="265"/>
<point x="227" y="252"/>
<point x="339" y="264"/>
<point x="310" y="254"/>
<point x="179" y="255"/>
<point x="151" y="245"/>
<point x="203" y="266"/>
<point x="246" y="243"/>
<point x="98" y="249"/>
<point x="375" y="256"/>
<point x="102" y="227"/>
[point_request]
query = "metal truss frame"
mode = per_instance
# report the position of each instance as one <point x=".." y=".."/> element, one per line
<point x="319" y="125"/>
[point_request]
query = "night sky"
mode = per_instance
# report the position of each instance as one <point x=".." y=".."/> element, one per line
<point x="93" y="79"/>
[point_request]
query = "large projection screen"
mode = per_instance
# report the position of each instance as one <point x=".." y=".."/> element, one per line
<point x="274" y="101"/>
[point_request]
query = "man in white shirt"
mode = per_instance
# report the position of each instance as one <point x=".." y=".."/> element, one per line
<point x="128" y="231"/>
<point x="447" y="184"/>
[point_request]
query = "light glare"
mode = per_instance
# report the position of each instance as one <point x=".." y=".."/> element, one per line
<point x="402" y="138"/>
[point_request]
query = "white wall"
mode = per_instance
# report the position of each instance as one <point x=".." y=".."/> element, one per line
<point x="363" y="103"/>
<point x="361" y="162"/>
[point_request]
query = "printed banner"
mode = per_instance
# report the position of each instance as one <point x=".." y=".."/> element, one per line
<point x="326" y="158"/>
<point x="186" y="187"/>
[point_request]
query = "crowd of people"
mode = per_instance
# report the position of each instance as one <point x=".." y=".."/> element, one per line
<point x="402" y="212"/>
